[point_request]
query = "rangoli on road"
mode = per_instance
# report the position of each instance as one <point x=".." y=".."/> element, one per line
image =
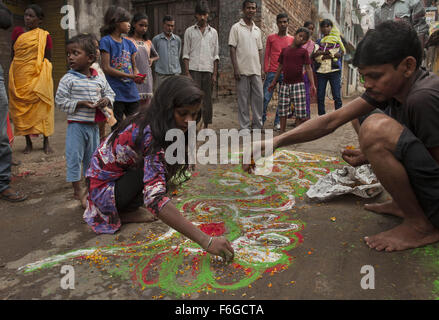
<point x="253" y="212"/>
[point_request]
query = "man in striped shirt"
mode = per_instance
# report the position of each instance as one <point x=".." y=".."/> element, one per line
<point x="82" y="94"/>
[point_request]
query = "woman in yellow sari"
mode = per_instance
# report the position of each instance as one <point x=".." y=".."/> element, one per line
<point x="31" y="100"/>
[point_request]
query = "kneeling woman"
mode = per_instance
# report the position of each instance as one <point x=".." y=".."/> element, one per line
<point x="129" y="169"/>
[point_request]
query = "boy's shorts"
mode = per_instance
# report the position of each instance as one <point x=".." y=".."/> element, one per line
<point x="294" y="94"/>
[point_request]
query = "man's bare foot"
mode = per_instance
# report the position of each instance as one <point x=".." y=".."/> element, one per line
<point x="403" y="237"/>
<point x="12" y="196"/>
<point x="15" y="163"/>
<point x="388" y="207"/>
<point x="141" y="215"/>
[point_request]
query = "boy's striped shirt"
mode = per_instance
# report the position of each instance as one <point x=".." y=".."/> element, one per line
<point x="75" y="87"/>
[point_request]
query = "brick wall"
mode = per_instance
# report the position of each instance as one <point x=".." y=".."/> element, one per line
<point x="299" y="11"/>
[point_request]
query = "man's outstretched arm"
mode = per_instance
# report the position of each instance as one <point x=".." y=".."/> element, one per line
<point x="319" y="127"/>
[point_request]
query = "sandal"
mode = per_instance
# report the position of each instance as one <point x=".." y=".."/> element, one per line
<point x="13" y="196"/>
<point x="15" y="163"/>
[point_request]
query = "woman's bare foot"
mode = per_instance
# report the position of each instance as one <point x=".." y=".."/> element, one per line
<point x="28" y="149"/>
<point x="388" y="207"/>
<point x="46" y="146"/>
<point x="403" y="237"/>
<point x="141" y="215"/>
<point x="48" y="150"/>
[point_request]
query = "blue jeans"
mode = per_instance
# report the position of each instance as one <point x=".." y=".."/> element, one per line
<point x="82" y="141"/>
<point x="5" y="148"/>
<point x="268" y="95"/>
<point x="334" y="79"/>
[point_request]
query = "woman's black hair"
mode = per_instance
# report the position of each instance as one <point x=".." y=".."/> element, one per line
<point x="37" y="9"/>
<point x="113" y="16"/>
<point x="137" y="17"/>
<point x="86" y="42"/>
<point x="389" y="43"/>
<point x="308" y="23"/>
<point x="325" y="23"/>
<point x="175" y="92"/>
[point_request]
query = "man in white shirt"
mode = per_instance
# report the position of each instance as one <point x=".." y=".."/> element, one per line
<point x="245" y="43"/>
<point x="201" y="56"/>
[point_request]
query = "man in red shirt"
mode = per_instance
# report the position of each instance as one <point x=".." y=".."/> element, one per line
<point x="275" y="43"/>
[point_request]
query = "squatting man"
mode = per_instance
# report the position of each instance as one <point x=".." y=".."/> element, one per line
<point x="397" y="121"/>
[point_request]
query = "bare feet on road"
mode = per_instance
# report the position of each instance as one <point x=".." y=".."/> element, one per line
<point x="403" y="237"/>
<point x="141" y="215"/>
<point x="389" y="207"/>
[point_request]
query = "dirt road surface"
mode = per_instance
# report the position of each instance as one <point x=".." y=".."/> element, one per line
<point x="323" y="260"/>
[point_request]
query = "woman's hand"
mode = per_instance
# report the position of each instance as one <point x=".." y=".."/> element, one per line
<point x="221" y="247"/>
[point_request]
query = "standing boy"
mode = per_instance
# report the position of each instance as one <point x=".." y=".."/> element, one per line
<point x="168" y="47"/>
<point x="82" y="93"/>
<point x="275" y="43"/>
<point x="292" y="61"/>
<point x="201" y="56"/>
<point x="245" y="43"/>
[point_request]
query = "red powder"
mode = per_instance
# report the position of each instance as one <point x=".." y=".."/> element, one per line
<point x="213" y="229"/>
